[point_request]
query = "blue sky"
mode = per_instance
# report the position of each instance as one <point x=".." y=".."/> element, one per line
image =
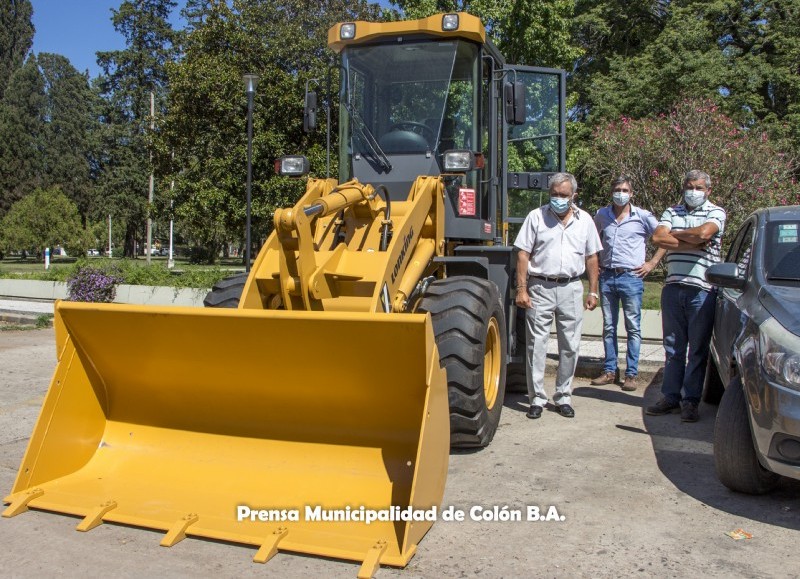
<point x="78" y="29"/>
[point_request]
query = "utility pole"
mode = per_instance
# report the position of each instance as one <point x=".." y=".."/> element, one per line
<point x="148" y="249"/>
<point x="250" y="82"/>
<point x="170" y="260"/>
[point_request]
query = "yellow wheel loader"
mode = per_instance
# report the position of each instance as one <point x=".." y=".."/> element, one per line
<point x="312" y="407"/>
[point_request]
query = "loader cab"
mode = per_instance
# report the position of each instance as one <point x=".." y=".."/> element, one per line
<point x="406" y="99"/>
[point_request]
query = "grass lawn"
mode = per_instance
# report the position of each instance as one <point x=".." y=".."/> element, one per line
<point x="651" y="300"/>
<point x="132" y="271"/>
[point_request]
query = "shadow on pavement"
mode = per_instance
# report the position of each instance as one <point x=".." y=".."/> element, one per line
<point x="684" y="453"/>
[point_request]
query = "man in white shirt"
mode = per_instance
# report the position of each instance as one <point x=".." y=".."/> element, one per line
<point x="557" y="243"/>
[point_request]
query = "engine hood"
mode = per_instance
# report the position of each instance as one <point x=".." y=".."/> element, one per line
<point x="783" y="302"/>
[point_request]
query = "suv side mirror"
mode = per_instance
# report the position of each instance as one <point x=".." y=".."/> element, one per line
<point x="725" y="275"/>
<point x="310" y="112"/>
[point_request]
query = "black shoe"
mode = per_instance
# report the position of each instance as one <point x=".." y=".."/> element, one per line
<point x="534" y="411"/>
<point x="565" y="410"/>
<point x="689" y="412"/>
<point x="662" y="407"/>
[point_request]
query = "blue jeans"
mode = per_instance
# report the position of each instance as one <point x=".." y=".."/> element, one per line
<point x="626" y="288"/>
<point x="688" y="320"/>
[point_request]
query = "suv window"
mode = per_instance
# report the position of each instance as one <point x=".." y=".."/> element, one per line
<point x="782" y="251"/>
<point x="744" y="249"/>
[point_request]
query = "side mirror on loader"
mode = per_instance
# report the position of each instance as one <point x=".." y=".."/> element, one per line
<point x="310" y="112"/>
<point x="514" y="102"/>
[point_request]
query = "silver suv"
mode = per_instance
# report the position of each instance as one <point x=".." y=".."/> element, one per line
<point x="754" y="363"/>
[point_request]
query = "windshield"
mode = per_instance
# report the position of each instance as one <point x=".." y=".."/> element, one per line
<point x="407" y="99"/>
<point x="782" y="251"/>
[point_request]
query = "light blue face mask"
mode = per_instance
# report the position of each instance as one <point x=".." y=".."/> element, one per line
<point x="694" y="197"/>
<point x="559" y="204"/>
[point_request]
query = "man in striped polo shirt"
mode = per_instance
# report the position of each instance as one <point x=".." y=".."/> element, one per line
<point x="691" y="233"/>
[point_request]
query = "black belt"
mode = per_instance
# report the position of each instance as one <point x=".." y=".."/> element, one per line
<point x="556" y="279"/>
<point x="619" y="269"/>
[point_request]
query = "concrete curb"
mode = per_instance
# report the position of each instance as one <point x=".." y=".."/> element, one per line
<point x="126" y="294"/>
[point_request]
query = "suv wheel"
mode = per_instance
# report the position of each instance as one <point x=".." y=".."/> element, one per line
<point x="735" y="456"/>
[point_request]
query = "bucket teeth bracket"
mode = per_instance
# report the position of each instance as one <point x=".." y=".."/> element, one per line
<point x="270" y="547"/>
<point x="372" y="561"/>
<point x="95" y="517"/>
<point x="19" y="502"/>
<point x="177" y="532"/>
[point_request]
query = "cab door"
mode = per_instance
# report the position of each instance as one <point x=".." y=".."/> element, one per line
<point x="535" y="149"/>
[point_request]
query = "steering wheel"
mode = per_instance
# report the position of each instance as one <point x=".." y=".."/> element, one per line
<point x="414" y="127"/>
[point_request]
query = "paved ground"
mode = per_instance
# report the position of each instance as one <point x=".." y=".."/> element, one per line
<point x="638" y="493"/>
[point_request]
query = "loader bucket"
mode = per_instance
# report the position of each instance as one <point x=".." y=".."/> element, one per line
<point x="278" y="412"/>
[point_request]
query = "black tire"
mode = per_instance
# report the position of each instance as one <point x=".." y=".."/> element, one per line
<point x="470" y="331"/>
<point x="713" y="389"/>
<point x="227" y="292"/>
<point x="734" y="452"/>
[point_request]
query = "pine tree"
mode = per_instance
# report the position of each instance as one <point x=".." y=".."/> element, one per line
<point x="16" y="37"/>
<point x="67" y="149"/>
<point x="22" y="117"/>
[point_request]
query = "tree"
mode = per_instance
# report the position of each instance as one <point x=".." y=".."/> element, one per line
<point x="129" y="76"/>
<point x="22" y="118"/>
<point x="532" y="32"/>
<point x="609" y="29"/>
<point x="45" y="218"/>
<point x="205" y="128"/>
<point x="747" y="170"/>
<point x="69" y="131"/>
<point x="742" y="54"/>
<point x="16" y="37"/>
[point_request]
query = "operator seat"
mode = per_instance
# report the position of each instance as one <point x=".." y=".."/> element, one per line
<point x="403" y="142"/>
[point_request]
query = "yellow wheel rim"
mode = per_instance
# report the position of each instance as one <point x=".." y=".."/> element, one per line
<point x="491" y="364"/>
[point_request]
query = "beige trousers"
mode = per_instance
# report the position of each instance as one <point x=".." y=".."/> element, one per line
<point x="564" y="302"/>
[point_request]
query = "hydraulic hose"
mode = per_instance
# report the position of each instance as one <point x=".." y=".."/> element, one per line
<point x="387" y="217"/>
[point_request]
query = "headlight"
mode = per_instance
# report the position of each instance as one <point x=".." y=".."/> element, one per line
<point x="347" y="31"/>
<point x="292" y="166"/>
<point x="461" y="161"/>
<point x="780" y="354"/>
<point x="458" y="161"/>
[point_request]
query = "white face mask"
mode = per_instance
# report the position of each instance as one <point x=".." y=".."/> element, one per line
<point x="694" y="197"/>
<point x="621" y="199"/>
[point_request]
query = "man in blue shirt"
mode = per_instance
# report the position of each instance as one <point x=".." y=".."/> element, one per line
<point x="624" y="230"/>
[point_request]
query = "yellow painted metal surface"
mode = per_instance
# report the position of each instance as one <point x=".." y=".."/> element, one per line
<point x="334" y="261"/>
<point x="470" y="28"/>
<point x="272" y="410"/>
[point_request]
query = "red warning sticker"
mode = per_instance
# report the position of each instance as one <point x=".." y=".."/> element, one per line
<point x="466" y="202"/>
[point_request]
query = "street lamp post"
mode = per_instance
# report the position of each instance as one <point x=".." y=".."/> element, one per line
<point x="250" y="82"/>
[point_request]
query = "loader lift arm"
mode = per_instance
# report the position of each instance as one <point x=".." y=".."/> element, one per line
<point x="329" y="252"/>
